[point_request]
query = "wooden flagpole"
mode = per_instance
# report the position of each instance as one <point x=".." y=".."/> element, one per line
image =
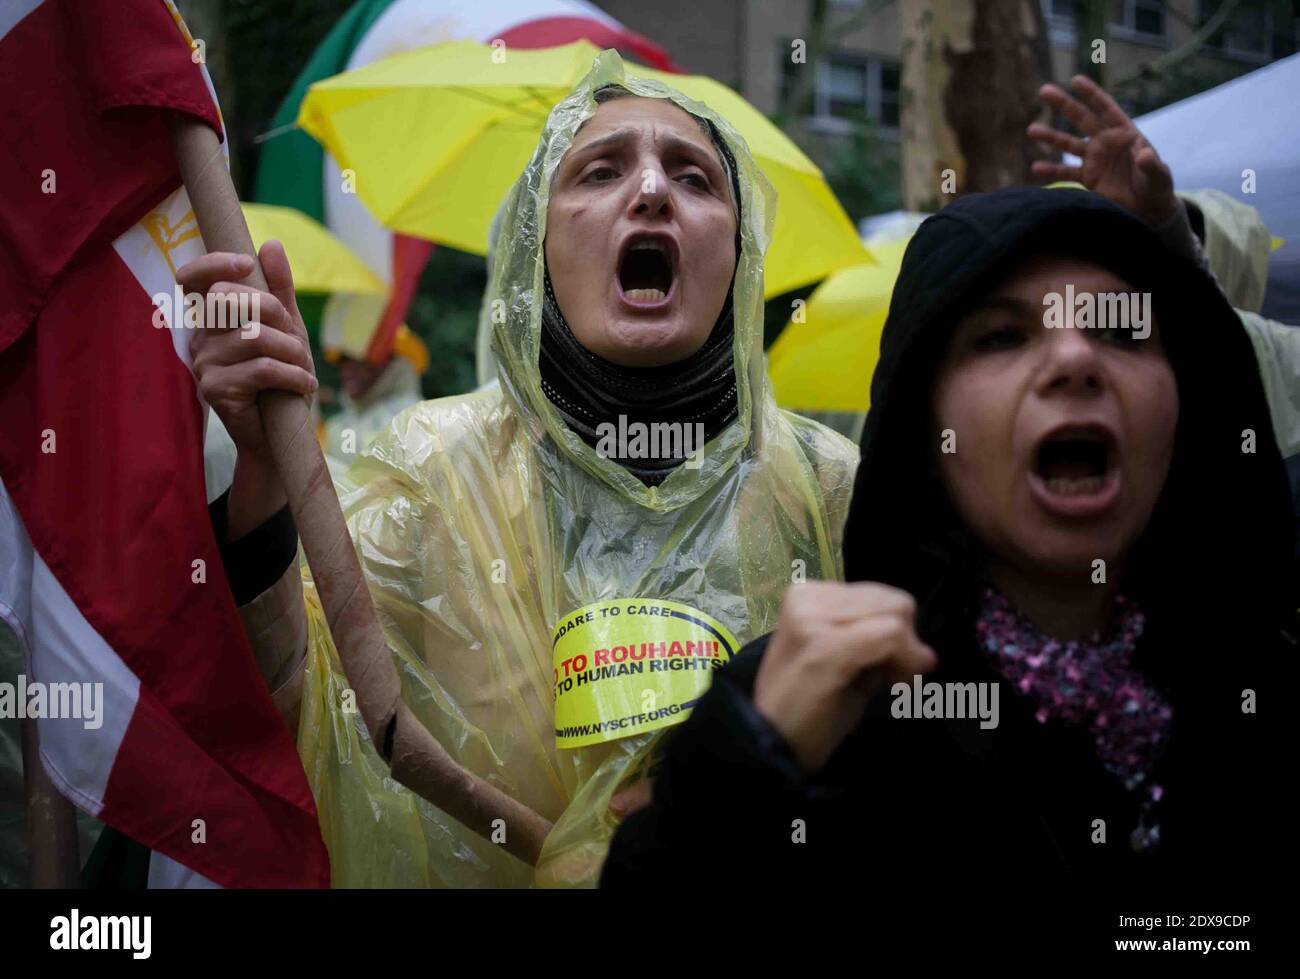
<point x="53" y="856"/>
<point x="416" y="758"/>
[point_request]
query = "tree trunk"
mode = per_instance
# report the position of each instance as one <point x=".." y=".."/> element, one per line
<point x="1090" y="26"/>
<point x="971" y="73"/>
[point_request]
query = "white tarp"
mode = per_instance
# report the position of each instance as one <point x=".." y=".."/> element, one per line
<point x="1250" y="123"/>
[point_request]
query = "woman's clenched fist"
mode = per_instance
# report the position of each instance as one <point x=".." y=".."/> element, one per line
<point x="835" y="645"/>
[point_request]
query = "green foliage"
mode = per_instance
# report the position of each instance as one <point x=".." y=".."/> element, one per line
<point x="1181" y="81"/>
<point x="268" y="44"/>
<point x="444" y="314"/>
<point x="863" y="169"/>
<point x="1146" y="93"/>
<point x="860" y="162"/>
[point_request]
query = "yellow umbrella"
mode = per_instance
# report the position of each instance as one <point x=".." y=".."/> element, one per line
<point x="320" y="262"/>
<point x="324" y="265"/>
<point x="435" y="137"/>
<point x="825" y="362"/>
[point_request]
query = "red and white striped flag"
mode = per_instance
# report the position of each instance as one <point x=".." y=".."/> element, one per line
<point x="109" y="570"/>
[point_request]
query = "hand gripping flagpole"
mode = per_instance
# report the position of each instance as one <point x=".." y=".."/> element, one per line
<point x="415" y="757"/>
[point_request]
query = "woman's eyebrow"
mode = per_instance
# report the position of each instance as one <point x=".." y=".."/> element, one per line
<point x="1005" y="304"/>
<point x="686" y="147"/>
<point x="670" y="143"/>
<point x="597" y="146"/>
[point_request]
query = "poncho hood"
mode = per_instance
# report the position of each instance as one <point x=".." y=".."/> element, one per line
<point x="1236" y="242"/>
<point x="512" y="304"/>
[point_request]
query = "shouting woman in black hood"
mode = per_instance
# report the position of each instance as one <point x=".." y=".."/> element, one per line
<point x="1080" y="532"/>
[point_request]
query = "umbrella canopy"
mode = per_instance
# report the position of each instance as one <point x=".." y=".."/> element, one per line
<point x="434" y="139"/>
<point x="321" y="263"/>
<point x="325" y="268"/>
<point x="824" y="363"/>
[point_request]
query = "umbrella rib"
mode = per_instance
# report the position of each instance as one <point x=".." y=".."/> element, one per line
<point x="514" y="107"/>
<point x="540" y="99"/>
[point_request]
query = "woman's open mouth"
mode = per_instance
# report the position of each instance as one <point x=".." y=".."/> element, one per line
<point x="1076" y="471"/>
<point x="647" y="271"/>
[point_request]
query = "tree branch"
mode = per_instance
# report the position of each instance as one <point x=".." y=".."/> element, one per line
<point x="1182" y="53"/>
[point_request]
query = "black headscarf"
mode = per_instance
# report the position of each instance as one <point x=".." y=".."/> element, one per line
<point x="1217" y="556"/>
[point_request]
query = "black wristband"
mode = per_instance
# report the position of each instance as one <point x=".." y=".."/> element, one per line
<point x="260" y="558"/>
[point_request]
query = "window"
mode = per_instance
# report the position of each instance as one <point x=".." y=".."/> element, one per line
<point x="847" y="87"/>
<point x="1149" y="18"/>
<point x="1062" y="18"/>
<point x="1065" y="11"/>
<point x="1143" y="19"/>
<point x="1247" y="33"/>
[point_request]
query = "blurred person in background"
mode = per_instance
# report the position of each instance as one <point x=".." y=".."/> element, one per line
<point x="372" y="396"/>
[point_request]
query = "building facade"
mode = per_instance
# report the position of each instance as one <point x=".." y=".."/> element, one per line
<point x="749" y="44"/>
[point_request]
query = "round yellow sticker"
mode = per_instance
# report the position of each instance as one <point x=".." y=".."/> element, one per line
<point x="631" y="666"/>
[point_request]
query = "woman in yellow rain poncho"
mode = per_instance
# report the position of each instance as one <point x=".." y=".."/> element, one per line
<point x="1236" y="247"/>
<point x="555" y="582"/>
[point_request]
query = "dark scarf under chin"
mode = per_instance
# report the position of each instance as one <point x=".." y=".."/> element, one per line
<point x="589" y="391"/>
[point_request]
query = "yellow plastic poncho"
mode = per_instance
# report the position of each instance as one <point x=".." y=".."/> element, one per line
<point x="361" y="420"/>
<point x="1237" y="247"/>
<point x="482" y="521"/>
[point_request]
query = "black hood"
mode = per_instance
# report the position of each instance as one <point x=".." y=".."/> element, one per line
<point x="1220" y="543"/>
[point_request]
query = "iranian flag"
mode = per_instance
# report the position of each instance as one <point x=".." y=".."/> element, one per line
<point x="110" y="573"/>
<point x="296" y="172"/>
